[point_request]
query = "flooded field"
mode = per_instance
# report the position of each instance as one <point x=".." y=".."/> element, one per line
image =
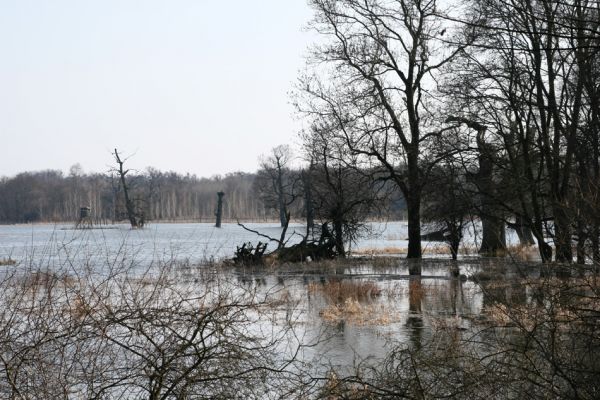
<point x="402" y="305"/>
<point x="55" y="245"/>
<point x="156" y="306"/>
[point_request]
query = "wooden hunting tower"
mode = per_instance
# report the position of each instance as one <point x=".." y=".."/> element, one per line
<point x="85" y="218"/>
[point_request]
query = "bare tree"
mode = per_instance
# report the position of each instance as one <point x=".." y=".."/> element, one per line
<point x="378" y="59"/>
<point x="276" y="184"/>
<point x="134" y="213"/>
<point x="344" y="192"/>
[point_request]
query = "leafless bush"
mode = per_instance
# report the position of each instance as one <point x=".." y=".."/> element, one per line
<point x="539" y="340"/>
<point x="121" y="334"/>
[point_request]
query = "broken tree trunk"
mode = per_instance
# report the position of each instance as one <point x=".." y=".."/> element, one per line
<point x="129" y="206"/>
<point x="219" y="212"/>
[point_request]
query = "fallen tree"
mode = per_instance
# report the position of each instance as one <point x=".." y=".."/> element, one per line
<point x="305" y="250"/>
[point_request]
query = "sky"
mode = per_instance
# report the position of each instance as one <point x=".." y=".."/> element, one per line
<point x="192" y="86"/>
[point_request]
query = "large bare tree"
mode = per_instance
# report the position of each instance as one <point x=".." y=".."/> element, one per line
<point x="374" y="72"/>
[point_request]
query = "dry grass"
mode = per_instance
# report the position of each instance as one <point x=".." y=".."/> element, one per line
<point x="384" y="262"/>
<point x="353" y="302"/>
<point x="7" y="261"/>
<point x="45" y="280"/>
<point x="371" y="251"/>
<point x="444" y="249"/>
<point x="523" y="253"/>
<point x="435" y="250"/>
<point x="358" y="313"/>
<point x="338" y="292"/>
<point x="416" y="290"/>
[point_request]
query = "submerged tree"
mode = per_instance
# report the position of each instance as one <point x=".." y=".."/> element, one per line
<point x="344" y="192"/>
<point x="134" y="212"/>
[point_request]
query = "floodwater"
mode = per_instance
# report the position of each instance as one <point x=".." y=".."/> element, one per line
<point x="404" y="311"/>
<point x="403" y="308"/>
<point x="54" y="245"/>
<point x="194" y="243"/>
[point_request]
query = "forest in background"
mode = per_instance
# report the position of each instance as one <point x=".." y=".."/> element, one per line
<point x="52" y="196"/>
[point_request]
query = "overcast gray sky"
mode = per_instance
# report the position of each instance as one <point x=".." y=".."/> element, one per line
<point x="187" y="85"/>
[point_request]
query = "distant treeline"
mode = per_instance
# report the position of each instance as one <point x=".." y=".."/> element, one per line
<point x="52" y="196"/>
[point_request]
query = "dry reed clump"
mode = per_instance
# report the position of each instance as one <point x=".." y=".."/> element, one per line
<point x="518" y="252"/>
<point x="563" y="304"/>
<point x="352" y="301"/>
<point x="357" y="313"/>
<point x="7" y="261"/>
<point x="522" y="252"/>
<point x="434" y="250"/>
<point x="444" y="249"/>
<point x="527" y="317"/>
<point x="338" y="292"/>
<point x="80" y="307"/>
<point x="384" y="262"/>
<point x="372" y="251"/>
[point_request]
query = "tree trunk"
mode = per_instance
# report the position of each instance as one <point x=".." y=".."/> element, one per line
<point x="219" y="212"/>
<point x="523" y="232"/>
<point x="493" y="238"/>
<point x="280" y="197"/>
<point x="413" y="205"/>
<point x="339" y="238"/>
<point x="454" y="239"/>
<point x="308" y="201"/>
<point x="128" y="203"/>
<point x="544" y="248"/>
<point x="562" y="235"/>
<point x="581" y="238"/>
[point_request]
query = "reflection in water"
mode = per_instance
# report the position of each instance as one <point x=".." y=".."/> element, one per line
<point x="414" y="267"/>
<point x="414" y="321"/>
<point x="455" y="284"/>
<point x="260" y="281"/>
<point x="414" y="300"/>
